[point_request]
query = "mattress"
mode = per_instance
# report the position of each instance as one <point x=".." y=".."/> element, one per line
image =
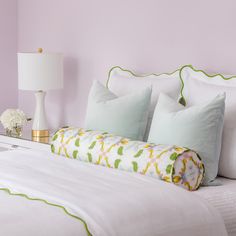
<point x="223" y="198"/>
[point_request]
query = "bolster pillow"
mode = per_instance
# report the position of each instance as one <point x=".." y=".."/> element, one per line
<point x="170" y="163"/>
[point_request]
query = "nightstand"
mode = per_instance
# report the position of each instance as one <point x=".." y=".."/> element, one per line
<point x="23" y="142"/>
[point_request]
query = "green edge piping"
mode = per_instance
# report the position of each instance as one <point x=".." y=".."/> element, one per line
<point x="48" y="203"/>
<point x="210" y="76"/>
<point x="182" y="99"/>
<point x="132" y="73"/>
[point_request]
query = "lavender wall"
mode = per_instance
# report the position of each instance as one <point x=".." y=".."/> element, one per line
<point x="8" y="49"/>
<point x="144" y="35"/>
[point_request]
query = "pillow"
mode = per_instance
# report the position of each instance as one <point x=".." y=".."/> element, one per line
<point x="122" y="81"/>
<point x="197" y="82"/>
<point x="173" y="164"/>
<point x="198" y="127"/>
<point x="125" y="116"/>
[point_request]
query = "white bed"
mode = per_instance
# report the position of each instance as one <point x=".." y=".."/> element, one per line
<point x="111" y="202"/>
<point x="21" y="216"/>
<point x="223" y="198"/>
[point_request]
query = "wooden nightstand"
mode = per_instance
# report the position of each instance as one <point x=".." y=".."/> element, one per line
<point x="23" y="142"/>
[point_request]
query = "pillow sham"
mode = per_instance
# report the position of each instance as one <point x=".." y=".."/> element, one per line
<point x="125" y="116"/>
<point x="198" y="127"/>
<point x="174" y="164"/>
<point x="200" y="87"/>
<point x="122" y="82"/>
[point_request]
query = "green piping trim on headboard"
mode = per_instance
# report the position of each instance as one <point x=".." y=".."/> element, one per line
<point x="132" y="73"/>
<point x="182" y="98"/>
<point x="48" y="203"/>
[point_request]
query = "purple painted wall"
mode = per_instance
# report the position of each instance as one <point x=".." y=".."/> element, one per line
<point x="144" y="35"/>
<point x="8" y="49"/>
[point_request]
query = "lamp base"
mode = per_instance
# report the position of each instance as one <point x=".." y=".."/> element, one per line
<point x="41" y="136"/>
<point x="40" y="133"/>
<point x="40" y="128"/>
<point x="41" y="139"/>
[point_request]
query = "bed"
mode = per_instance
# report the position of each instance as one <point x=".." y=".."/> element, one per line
<point x="110" y="202"/>
<point x="46" y="194"/>
<point x="223" y="198"/>
<point x="30" y="216"/>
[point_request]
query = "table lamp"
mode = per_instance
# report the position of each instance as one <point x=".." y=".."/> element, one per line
<point x="40" y="72"/>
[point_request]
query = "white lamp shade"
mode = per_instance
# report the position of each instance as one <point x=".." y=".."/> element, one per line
<point x="40" y="71"/>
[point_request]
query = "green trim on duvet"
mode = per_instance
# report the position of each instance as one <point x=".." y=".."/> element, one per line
<point x="182" y="98"/>
<point x="48" y="203"/>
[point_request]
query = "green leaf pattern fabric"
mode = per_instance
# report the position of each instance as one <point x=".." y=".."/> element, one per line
<point x="170" y="163"/>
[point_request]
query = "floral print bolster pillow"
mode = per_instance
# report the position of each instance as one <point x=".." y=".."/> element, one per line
<point x="177" y="165"/>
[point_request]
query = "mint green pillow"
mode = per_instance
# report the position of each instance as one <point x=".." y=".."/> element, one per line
<point x="197" y="127"/>
<point x="124" y="116"/>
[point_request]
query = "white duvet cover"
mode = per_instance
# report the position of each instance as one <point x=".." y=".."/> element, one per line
<point x="109" y="202"/>
<point x="223" y="198"/>
<point x="21" y="217"/>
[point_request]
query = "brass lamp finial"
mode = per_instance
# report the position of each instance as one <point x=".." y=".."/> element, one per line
<point x="40" y="50"/>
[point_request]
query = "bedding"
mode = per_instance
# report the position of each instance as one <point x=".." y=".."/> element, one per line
<point x="22" y="217"/>
<point x="122" y="82"/>
<point x="173" y="164"/>
<point x="223" y="198"/>
<point x="197" y="82"/>
<point x="197" y="127"/>
<point x="108" y="201"/>
<point x="125" y="115"/>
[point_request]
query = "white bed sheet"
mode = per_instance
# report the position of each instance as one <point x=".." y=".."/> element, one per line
<point x="224" y="199"/>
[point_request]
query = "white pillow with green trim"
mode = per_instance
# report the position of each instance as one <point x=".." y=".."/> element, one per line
<point x="122" y="81"/>
<point x="198" y="127"/>
<point x="200" y="87"/>
<point x="124" y="116"/>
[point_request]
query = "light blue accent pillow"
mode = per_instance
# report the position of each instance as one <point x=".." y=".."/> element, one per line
<point x="125" y="116"/>
<point x="197" y="127"/>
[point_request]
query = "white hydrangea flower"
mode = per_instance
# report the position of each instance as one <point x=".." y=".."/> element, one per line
<point x="11" y="118"/>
